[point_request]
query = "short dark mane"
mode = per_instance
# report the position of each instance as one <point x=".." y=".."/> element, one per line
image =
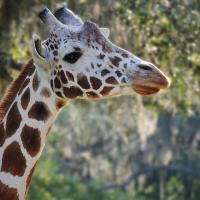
<point x="14" y="88"/>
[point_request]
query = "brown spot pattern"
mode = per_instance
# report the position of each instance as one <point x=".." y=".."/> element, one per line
<point x="125" y="55"/>
<point x="26" y="82"/>
<point x="105" y="72"/>
<point x="124" y="80"/>
<point x="32" y="69"/>
<point x="70" y="76"/>
<point x="25" y="99"/>
<point x="31" y="140"/>
<point x="72" y="92"/>
<point x="92" y="65"/>
<point x="39" y="111"/>
<point x="115" y="61"/>
<point x="63" y="77"/>
<point x="59" y="94"/>
<point x="13" y="120"/>
<point x="101" y="56"/>
<point x="106" y="90"/>
<point x="7" y="193"/>
<point x="119" y="74"/>
<point x="83" y="81"/>
<point x="59" y="103"/>
<point x="45" y="92"/>
<point x="125" y="65"/>
<point x="2" y="134"/>
<point x="13" y="160"/>
<point x="106" y="48"/>
<point x="52" y="84"/>
<point x="55" y="53"/>
<point x="95" y="82"/>
<point x="111" y="80"/>
<point x="57" y="83"/>
<point x="92" y="95"/>
<point x="36" y="82"/>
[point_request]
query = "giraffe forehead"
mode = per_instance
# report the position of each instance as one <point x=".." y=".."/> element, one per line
<point x="86" y="35"/>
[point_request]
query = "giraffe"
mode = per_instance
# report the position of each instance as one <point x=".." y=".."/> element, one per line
<point x="77" y="60"/>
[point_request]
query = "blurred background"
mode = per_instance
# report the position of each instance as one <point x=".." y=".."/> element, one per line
<point x="126" y="148"/>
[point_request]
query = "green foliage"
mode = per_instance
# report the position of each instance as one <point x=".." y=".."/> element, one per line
<point x="51" y="184"/>
<point x="168" y="33"/>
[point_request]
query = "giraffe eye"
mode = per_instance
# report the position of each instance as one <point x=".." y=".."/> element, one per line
<point x="72" y="57"/>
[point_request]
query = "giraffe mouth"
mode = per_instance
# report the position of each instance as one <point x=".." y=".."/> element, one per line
<point x="145" y="90"/>
<point x="150" y="83"/>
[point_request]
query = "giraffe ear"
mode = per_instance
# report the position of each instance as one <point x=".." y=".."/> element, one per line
<point x="39" y="52"/>
<point x="105" y="32"/>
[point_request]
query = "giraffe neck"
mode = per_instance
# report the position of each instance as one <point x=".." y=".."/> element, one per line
<point x="30" y="112"/>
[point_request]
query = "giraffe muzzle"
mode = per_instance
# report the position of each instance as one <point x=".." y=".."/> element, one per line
<point x="149" y="80"/>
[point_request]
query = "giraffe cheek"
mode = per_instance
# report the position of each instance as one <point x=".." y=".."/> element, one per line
<point x="95" y="82"/>
<point x="83" y="81"/>
<point x="111" y="80"/>
<point x="72" y="92"/>
<point x="70" y="76"/>
<point x="92" y="95"/>
<point x="115" y="61"/>
<point x="57" y="83"/>
<point x="106" y="91"/>
<point x="63" y="77"/>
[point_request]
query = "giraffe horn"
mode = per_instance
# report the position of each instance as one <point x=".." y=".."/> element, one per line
<point x="48" y="18"/>
<point x="67" y="17"/>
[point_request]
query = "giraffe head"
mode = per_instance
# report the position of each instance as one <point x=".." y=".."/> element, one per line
<point x="84" y="63"/>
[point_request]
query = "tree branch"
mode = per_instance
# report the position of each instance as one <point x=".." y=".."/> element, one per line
<point x="186" y="170"/>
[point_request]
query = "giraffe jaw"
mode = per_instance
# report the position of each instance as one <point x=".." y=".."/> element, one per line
<point x="147" y="87"/>
<point x="145" y="90"/>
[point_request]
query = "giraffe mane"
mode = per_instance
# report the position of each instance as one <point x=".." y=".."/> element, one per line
<point x="14" y="87"/>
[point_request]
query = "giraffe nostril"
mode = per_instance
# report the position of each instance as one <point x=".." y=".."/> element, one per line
<point x="145" y="67"/>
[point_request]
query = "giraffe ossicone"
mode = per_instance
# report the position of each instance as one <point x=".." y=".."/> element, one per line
<point x="77" y="60"/>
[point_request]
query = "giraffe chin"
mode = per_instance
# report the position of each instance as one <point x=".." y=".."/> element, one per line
<point x="145" y="91"/>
